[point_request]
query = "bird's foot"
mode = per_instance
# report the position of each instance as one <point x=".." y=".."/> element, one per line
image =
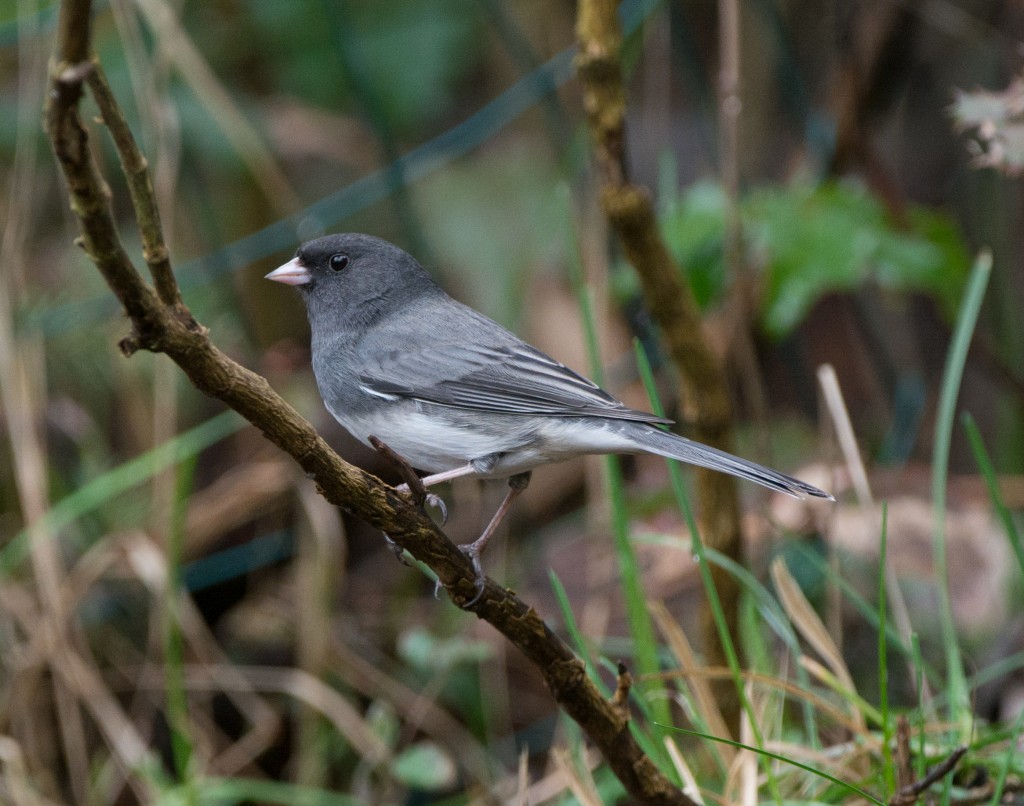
<point x="473" y="551"/>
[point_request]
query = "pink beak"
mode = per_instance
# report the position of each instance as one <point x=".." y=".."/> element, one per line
<point x="291" y="273"/>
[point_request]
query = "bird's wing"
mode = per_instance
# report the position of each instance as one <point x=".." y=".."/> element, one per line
<point x="512" y="378"/>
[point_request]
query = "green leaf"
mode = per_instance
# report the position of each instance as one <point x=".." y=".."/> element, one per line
<point x="808" y="241"/>
<point x="424" y="651"/>
<point x="692" y="227"/>
<point x="425" y="766"/>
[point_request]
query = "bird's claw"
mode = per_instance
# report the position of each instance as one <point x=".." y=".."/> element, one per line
<point x="429" y="500"/>
<point x="473" y="552"/>
<point x="437" y="502"/>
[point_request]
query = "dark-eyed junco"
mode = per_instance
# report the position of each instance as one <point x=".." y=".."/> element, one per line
<point x="455" y="393"/>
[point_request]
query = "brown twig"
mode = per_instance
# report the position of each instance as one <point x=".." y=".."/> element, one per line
<point x="623" y="685"/>
<point x="904" y="771"/>
<point x="417" y="491"/>
<point x="631" y="214"/>
<point x="910" y="793"/>
<point x="140" y="186"/>
<point x="414" y="482"/>
<point x="160" y="323"/>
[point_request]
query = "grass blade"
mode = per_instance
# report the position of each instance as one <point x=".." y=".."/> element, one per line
<point x="792" y="762"/>
<point x="583" y="648"/>
<point x="699" y="552"/>
<point x="176" y="693"/>
<point x="883" y="662"/>
<point x="960" y="706"/>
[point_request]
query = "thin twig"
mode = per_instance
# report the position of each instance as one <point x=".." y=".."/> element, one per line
<point x="623" y="684"/>
<point x="414" y="482"/>
<point x="136" y="171"/>
<point x="319" y="575"/>
<point x="904" y="770"/>
<point x="836" y="405"/>
<point x="908" y="794"/>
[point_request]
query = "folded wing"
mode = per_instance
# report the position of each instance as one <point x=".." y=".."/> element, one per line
<point x="511" y="379"/>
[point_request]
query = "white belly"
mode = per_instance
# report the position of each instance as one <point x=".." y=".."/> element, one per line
<point x="437" y="441"/>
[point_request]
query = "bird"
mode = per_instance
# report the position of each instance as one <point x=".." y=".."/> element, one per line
<point x="456" y="394"/>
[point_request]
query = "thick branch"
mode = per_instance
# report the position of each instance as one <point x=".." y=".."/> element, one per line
<point x="161" y="323"/>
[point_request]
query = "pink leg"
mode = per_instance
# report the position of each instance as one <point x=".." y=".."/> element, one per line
<point x="516" y="485"/>
<point x="438" y="478"/>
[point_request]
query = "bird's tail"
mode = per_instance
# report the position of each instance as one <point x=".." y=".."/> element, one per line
<point x="673" y="446"/>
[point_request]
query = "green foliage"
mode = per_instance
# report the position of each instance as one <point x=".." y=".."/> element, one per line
<point x="323" y="51"/>
<point x="488" y="265"/>
<point x="424" y="651"/>
<point x="808" y="241"/>
<point x="403" y="67"/>
<point x="424" y="766"/>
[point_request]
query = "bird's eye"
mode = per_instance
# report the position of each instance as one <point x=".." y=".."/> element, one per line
<point x="338" y="262"/>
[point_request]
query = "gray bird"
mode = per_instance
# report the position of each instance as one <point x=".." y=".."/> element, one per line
<point x="454" y="392"/>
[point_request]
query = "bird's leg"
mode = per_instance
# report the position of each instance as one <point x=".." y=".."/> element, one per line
<point x="416" y="486"/>
<point x="516" y="484"/>
<point x="446" y="475"/>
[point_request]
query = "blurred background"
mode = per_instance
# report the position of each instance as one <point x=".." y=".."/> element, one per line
<point x="878" y="149"/>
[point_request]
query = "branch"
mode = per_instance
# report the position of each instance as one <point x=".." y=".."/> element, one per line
<point x="630" y="211"/>
<point x="162" y="323"/>
<point x="140" y="186"/>
<point x="704" y="393"/>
